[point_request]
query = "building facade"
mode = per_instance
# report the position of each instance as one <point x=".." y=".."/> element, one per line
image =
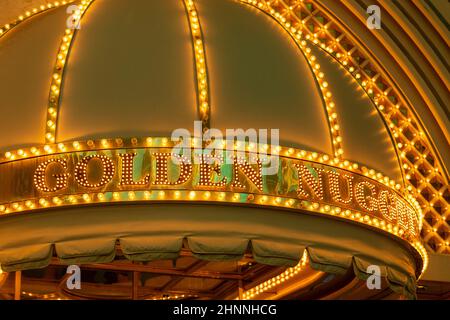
<point x="224" y="150"/>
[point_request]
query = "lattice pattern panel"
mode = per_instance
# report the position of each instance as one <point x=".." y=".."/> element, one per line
<point x="423" y="174"/>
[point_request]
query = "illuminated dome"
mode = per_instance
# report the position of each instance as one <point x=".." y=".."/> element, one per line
<point x="259" y="79"/>
<point x="137" y="70"/>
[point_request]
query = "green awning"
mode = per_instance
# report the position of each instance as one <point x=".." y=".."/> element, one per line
<point x="216" y="233"/>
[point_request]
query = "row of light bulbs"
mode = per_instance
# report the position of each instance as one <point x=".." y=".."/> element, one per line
<point x="200" y="63"/>
<point x="163" y="142"/>
<point x="368" y="86"/>
<point x="344" y="59"/>
<point x="278" y="280"/>
<point x="205" y="196"/>
<point x="58" y="71"/>
<point x="31" y="13"/>
<point x="211" y="163"/>
<point x="54" y="296"/>
<point x="248" y="170"/>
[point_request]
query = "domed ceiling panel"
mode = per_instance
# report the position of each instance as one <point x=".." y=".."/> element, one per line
<point x="24" y="103"/>
<point x="259" y="77"/>
<point x="365" y="138"/>
<point x="130" y="71"/>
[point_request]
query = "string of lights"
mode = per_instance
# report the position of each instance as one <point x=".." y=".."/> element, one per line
<point x="276" y="281"/>
<point x="203" y="101"/>
<point x="31" y="13"/>
<point x="58" y="73"/>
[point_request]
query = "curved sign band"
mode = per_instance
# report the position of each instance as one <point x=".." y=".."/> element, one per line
<point x="154" y="173"/>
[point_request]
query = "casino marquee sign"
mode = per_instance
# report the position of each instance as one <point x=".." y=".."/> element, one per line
<point x="144" y="170"/>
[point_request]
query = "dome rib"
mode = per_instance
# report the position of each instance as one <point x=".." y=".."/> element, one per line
<point x="319" y="77"/>
<point x="54" y="97"/>
<point x="201" y="66"/>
